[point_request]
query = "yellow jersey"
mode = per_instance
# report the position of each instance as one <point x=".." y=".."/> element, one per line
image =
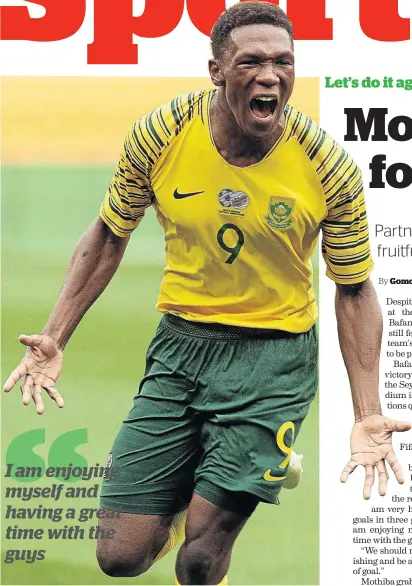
<point x="239" y="241"/>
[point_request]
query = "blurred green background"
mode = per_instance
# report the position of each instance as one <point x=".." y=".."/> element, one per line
<point x="45" y="209"/>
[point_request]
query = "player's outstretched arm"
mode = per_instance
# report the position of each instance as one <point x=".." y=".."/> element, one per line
<point x="93" y="264"/>
<point x="359" y="321"/>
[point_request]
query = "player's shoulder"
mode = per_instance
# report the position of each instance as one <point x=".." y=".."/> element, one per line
<point x="326" y="155"/>
<point x="173" y="115"/>
<point x="153" y="133"/>
<point x="314" y="141"/>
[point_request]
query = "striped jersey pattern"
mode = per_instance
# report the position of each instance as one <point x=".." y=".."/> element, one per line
<point x="345" y="242"/>
<point x="130" y="191"/>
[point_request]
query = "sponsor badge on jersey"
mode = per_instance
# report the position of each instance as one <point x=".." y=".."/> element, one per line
<point x="233" y="202"/>
<point x="280" y="211"/>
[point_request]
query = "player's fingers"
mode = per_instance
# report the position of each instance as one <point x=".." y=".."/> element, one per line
<point x="393" y="425"/>
<point x="383" y="477"/>
<point x="349" y="468"/>
<point x="38" y="399"/>
<point x="55" y="395"/>
<point x="396" y="467"/>
<point x="27" y="389"/>
<point x="41" y="380"/>
<point x="14" y="377"/>
<point x="369" y="480"/>
<point x="34" y="340"/>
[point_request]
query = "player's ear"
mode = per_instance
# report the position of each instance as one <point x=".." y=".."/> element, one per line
<point x="216" y="74"/>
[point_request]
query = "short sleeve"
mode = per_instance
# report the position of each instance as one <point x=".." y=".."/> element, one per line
<point x="345" y="242"/>
<point x="129" y="192"/>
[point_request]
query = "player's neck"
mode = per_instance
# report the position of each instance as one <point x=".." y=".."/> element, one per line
<point x="233" y="145"/>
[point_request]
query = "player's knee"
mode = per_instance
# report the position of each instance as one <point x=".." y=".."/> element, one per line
<point x="198" y="560"/>
<point x="119" y="566"/>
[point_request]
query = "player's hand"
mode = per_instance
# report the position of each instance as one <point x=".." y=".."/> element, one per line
<point x="40" y="366"/>
<point x="371" y="446"/>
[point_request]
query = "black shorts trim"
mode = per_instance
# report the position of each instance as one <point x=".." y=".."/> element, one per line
<point x="241" y="503"/>
<point x="217" y="331"/>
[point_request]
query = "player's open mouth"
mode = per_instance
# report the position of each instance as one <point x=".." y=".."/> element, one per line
<point x="263" y="107"/>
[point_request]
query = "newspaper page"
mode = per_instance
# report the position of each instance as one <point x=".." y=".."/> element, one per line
<point x="75" y="76"/>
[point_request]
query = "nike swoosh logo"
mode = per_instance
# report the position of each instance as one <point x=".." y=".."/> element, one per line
<point x="178" y="195"/>
<point x="268" y="476"/>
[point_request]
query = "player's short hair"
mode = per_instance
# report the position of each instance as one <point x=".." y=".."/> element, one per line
<point x="243" y="14"/>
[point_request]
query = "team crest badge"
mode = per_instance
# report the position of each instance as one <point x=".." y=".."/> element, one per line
<point x="280" y="212"/>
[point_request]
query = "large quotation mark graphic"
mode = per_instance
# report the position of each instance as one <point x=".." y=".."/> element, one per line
<point x="62" y="453"/>
<point x="233" y="250"/>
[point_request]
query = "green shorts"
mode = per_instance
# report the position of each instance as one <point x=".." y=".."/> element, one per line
<point x="217" y="413"/>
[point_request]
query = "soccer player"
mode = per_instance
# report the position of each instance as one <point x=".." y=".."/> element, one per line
<point x="242" y="184"/>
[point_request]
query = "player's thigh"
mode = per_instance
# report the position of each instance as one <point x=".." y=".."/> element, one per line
<point x="150" y="475"/>
<point x="157" y="448"/>
<point x="248" y="443"/>
<point x="152" y="461"/>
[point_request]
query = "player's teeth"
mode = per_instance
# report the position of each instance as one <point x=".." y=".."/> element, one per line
<point x="265" y="99"/>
